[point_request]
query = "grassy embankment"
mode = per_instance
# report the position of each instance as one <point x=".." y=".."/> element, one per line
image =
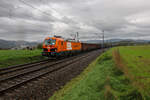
<point x="14" y="57"/>
<point x="119" y="74"/>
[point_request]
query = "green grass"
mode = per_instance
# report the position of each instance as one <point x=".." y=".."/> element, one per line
<point x="137" y="61"/>
<point x="14" y="57"/>
<point x="122" y="73"/>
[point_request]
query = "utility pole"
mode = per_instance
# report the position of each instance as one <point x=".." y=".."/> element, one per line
<point x="10" y="13"/>
<point x="77" y="37"/>
<point x="103" y="41"/>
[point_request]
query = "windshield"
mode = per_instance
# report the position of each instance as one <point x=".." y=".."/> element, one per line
<point x="50" y="42"/>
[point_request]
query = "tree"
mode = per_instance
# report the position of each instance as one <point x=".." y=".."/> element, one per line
<point x="39" y="46"/>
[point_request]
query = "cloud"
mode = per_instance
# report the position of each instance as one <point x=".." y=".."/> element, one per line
<point x="32" y="20"/>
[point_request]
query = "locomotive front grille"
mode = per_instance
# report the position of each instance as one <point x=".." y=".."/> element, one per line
<point x="52" y="50"/>
<point x="45" y="50"/>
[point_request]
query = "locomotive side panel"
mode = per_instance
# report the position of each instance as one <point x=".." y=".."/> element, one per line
<point x="62" y="46"/>
<point x="76" y="46"/>
<point x="68" y="46"/>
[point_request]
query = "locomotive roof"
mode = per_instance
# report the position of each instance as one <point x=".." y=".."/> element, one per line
<point x="55" y="38"/>
<point x="61" y="39"/>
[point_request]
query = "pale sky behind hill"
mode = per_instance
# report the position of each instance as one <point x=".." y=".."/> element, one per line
<point x="33" y="20"/>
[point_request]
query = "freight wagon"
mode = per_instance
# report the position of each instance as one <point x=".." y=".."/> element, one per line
<point x="88" y="47"/>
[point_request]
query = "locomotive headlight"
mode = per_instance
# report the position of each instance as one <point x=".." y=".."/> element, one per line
<point x="56" y="49"/>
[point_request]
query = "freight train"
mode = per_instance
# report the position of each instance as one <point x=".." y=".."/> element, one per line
<point x="57" y="46"/>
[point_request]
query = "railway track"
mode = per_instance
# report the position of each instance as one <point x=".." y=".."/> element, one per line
<point x="13" y="78"/>
<point x="22" y="66"/>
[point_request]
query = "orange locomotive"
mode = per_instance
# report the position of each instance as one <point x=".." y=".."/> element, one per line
<point x="57" y="46"/>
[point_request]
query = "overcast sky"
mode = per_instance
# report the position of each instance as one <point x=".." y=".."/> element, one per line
<point x="33" y="20"/>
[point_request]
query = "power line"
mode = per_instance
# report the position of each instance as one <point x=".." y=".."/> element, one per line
<point x="45" y="13"/>
<point x="88" y="37"/>
<point x="13" y="18"/>
<point x="10" y="10"/>
<point x="24" y="2"/>
<point x="10" y="15"/>
<point x="28" y="4"/>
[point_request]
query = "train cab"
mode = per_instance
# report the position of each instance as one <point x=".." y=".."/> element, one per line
<point x="49" y="46"/>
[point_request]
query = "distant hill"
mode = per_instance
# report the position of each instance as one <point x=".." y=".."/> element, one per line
<point x="117" y="40"/>
<point x="92" y="41"/>
<point x="6" y="44"/>
<point x="130" y="40"/>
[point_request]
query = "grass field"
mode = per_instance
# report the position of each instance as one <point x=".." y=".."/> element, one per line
<point x="135" y="63"/>
<point x="14" y="57"/>
<point x="121" y="73"/>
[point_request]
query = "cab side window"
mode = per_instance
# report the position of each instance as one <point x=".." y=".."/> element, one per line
<point x="61" y="43"/>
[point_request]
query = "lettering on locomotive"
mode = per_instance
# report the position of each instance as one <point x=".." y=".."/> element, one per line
<point x="69" y="47"/>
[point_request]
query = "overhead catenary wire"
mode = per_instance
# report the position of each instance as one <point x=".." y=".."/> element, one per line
<point x="10" y="15"/>
<point x="28" y="4"/>
<point x="43" y="12"/>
